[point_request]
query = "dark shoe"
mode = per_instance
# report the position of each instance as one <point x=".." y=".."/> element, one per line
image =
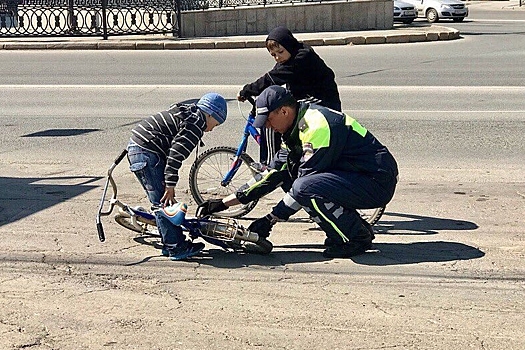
<point x="347" y="250"/>
<point x="368" y="227"/>
<point x="165" y="251"/>
<point x="328" y="242"/>
<point x="190" y="250"/>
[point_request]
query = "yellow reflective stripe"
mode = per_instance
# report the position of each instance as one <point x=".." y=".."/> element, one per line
<point x="256" y="184"/>
<point x="318" y="130"/>
<point x="355" y="125"/>
<point x="345" y="239"/>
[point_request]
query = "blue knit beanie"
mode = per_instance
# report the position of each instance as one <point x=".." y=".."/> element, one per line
<point x="215" y="105"/>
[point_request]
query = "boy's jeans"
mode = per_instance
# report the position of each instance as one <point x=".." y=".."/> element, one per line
<point x="148" y="167"/>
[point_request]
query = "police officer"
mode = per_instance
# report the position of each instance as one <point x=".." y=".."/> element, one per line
<point x="336" y="165"/>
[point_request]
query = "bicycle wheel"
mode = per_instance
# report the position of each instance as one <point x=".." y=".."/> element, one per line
<point x="147" y="228"/>
<point x="372" y="216"/>
<point x="209" y="169"/>
<point x="262" y="247"/>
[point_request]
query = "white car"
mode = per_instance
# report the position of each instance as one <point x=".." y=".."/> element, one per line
<point x="404" y="12"/>
<point x="434" y="10"/>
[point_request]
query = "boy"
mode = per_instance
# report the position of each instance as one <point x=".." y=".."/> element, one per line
<point x="303" y="72"/>
<point x="158" y="146"/>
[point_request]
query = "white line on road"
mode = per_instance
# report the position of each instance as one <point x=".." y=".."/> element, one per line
<point x="236" y="87"/>
<point x="494" y="20"/>
<point x="429" y="111"/>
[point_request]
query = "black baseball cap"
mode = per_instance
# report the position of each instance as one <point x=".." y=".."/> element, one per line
<point x="269" y="100"/>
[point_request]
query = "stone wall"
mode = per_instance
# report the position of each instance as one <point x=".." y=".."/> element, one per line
<point x="298" y="17"/>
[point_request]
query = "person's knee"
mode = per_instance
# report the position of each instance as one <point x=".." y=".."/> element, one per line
<point x="301" y="192"/>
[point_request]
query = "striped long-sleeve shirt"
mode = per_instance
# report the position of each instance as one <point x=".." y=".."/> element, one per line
<point x="172" y="134"/>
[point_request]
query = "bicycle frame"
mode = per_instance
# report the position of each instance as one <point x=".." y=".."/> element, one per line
<point x="226" y="233"/>
<point x="249" y="130"/>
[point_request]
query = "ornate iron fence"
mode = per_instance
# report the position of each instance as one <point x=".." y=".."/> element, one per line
<point x="19" y="18"/>
<point x="187" y="5"/>
<point x="39" y="18"/>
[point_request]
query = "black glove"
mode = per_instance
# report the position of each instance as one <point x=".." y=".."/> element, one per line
<point x="243" y="94"/>
<point x="210" y="206"/>
<point x="262" y="226"/>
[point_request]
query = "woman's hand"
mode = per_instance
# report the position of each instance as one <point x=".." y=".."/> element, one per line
<point x="240" y="97"/>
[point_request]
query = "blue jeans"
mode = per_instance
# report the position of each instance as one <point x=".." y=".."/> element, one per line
<point x="149" y="167"/>
<point x="172" y="236"/>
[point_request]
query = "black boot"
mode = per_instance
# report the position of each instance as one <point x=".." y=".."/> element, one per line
<point x="328" y="242"/>
<point x="358" y="245"/>
<point x="368" y="227"/>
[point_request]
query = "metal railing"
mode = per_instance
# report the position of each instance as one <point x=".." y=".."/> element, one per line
<point x="40" y="18"/>
<point x="19" y="18"/>
<point x="206" y="4"/>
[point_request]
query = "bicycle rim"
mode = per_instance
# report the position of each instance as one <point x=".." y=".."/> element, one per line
<point x="210" y="168"/>
<point x="146" y="229"/>
<point x="372" y="216"/>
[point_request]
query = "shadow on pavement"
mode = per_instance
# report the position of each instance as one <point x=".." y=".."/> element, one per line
<point x="217" y="257"/>
<point x="418" y="252"/>
<point x="232" y="260"/>
<point x="383" y="253"/>
<point x="420" y="225"/>
<point x="21" y="197"/>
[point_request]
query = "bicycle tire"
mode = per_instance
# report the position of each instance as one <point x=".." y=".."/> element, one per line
<point x="148" y="229"/>
<point x="262" y="247"/>
<point x="209" y="169"/>
<point x="372" y="216"/>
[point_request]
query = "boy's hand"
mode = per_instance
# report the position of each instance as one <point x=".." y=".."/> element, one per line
<point x="169" y="196"/>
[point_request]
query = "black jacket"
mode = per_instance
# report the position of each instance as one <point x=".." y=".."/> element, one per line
<point x="305" y="74"/>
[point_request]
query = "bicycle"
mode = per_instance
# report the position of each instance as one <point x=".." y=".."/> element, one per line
<point x="235" y="168"/>
<point x="224" y="232"/>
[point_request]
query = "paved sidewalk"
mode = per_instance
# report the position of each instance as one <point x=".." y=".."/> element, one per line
<point x="401" y="34"/>
<point x="416" y="32"/>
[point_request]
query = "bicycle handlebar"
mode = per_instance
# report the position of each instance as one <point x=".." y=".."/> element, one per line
<point x="101" y="235"/>
<point x="109" y="181"/>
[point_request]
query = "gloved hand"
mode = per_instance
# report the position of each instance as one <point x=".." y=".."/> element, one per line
<point x="263" y="226"/>
<point x="241" y="97"/>
<point x="210" y="206"/>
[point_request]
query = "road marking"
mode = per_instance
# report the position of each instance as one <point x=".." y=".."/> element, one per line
<point x="237" y="87"/>
<point x="493" y="20"/>
<point x="428" y="111"/>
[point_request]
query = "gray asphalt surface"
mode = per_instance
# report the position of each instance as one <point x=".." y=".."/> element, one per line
<point x="448" y="271"/>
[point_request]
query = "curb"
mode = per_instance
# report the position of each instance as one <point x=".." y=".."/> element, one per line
<point x="225" y="43"/>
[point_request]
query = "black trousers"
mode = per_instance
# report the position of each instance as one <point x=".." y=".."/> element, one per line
<point x="270" y="144"/>
<point x="331" y="199"/>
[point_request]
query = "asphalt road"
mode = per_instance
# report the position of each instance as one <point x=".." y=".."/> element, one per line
<point x="449" y="271"/>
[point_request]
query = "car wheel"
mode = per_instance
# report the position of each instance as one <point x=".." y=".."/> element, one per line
<point x="408" y="21"/>
<point x="458" y="19"/>
<point x="432" y="15"/>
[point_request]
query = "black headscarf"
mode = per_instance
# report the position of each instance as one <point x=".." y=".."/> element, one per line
<point x="285" y="37"/>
